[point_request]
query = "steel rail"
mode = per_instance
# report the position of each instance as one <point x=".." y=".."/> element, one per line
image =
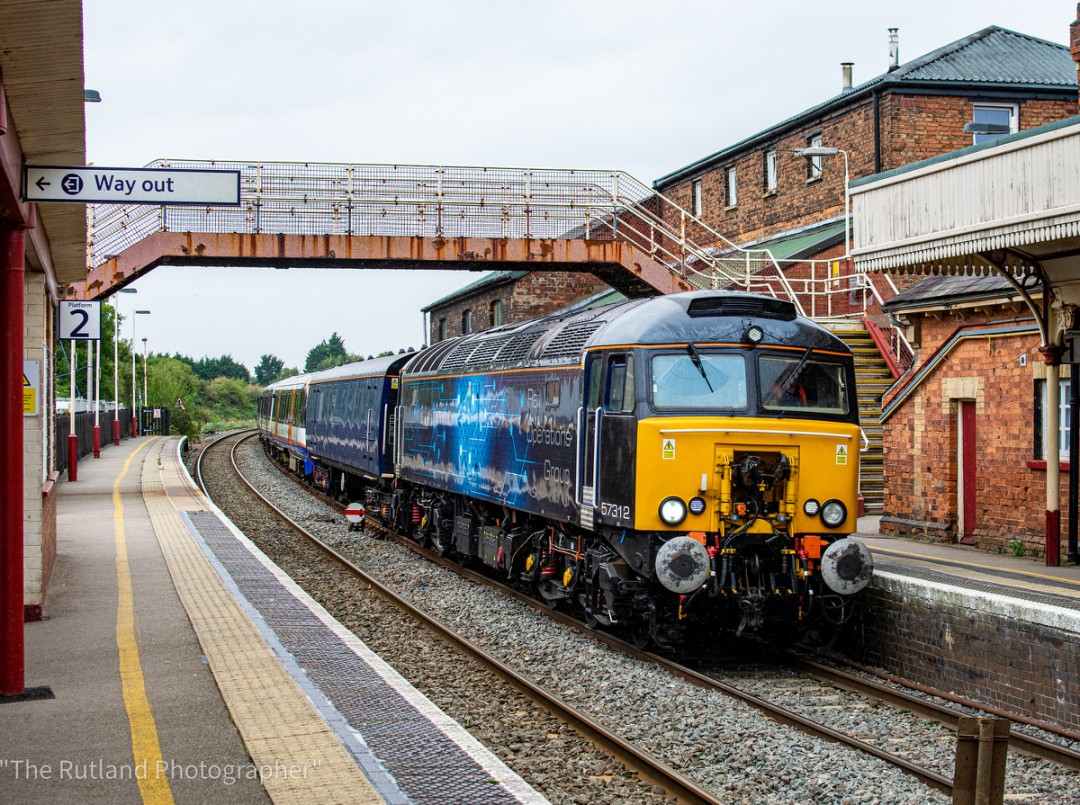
<point x="1028" y="744"/>
<point x="650" y="768"/>
<point x="778" y="713"/>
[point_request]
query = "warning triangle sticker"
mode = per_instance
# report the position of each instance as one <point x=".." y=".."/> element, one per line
<point x="25" y="381"/>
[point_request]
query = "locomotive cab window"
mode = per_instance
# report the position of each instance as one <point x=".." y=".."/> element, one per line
<point x="802" y="383"/>
<point x="620" y="384"/>
<point x="695" y="380"/>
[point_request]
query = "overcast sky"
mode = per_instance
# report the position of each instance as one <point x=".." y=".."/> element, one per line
<point x="643" y="87"/>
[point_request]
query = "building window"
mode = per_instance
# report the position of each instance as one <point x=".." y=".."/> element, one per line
<point x="732" y="194"/>
<point x="813" y="164"/>
<point x="770" y="171"/>
<point x="1063" y="419"/>
<point x="695" y="193"/>
<point x="496" y="313"/>
<point x="994" y="114"/>
<point x="441" y="332"/>
<point x="466" y="322"/>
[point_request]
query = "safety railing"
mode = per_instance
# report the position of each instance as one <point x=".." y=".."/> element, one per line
<point x="438" y="201"/>
<point x="484" y="202"/>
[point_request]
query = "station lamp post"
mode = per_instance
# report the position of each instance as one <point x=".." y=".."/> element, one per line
<point x="825" y="151"/>
<point x="134" y="418"/>
<point x="145" y="396"/>
<point x="116" y="365"/>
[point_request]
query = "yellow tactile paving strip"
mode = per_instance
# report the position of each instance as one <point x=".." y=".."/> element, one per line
<point x="301" y="759"/>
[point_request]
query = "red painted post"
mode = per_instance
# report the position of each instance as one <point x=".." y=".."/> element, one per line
<point x="12" y="658"/>
<point x="116" y="429"/>
<point x="97" y="441"/>
<point x="73" y="456"/>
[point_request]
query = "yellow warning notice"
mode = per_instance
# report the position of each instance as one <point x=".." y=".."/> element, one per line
<point x="31" y="383"/>
<point x="841" y="455"/>
<point x="669" y="449"/>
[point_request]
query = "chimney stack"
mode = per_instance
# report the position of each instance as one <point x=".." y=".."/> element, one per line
<point x="845" y="74"/>
<point x="1074" y="40"/>
<point x="894" y="49"/>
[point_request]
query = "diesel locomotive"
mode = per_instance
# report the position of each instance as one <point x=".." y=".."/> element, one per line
<point x="682" y="461"/>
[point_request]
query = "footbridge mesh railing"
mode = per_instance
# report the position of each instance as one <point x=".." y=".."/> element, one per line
<point x="450" y="202"/>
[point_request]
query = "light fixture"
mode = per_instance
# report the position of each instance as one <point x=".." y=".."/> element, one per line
<point x="826" y="151"/>
<point x="91" y="96"/>
<point x="672" y="511"/>
<point x="811" y="507"/>
<point x="754" y="334"/>
<point x="833" y="513"/>
<point x="987" y="128"/>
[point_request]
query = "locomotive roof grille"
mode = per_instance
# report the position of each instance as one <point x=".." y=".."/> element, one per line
<point x="741" y="306"/>
<point x="518" y="346"/>
<point x="569" y="341"/>
<point x="458" y="357"/>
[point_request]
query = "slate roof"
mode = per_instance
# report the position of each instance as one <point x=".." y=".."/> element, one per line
<point x="944" y="290"/>
<point x="993" y="58"/>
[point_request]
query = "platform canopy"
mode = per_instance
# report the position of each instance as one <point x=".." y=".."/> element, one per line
<point x="1011" y="205"/>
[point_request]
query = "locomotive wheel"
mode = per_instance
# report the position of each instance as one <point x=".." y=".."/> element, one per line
<point x="641" y="637"/>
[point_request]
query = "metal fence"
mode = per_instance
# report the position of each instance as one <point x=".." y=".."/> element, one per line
<point x="84" y="429"/>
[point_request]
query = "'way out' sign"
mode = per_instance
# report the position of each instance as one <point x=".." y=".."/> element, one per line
<point x="131" y="185"/>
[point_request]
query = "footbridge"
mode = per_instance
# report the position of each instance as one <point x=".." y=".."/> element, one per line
<point x="427" y="217"/>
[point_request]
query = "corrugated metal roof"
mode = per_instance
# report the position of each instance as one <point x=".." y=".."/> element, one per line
<point x="993" y="57"/>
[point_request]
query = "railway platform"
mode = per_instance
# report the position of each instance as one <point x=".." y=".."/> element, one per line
<point x="179" y="665"/>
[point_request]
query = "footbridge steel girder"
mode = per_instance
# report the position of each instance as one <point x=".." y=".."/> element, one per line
<point x="620" y="264"/>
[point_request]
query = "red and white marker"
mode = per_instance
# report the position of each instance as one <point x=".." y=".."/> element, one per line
<point x="355" y="513"/>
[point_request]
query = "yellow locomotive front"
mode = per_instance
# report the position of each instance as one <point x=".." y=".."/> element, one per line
<point x="747" y="474"/>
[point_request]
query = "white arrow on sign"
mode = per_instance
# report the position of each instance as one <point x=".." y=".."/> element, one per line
<point x="131" y="185"/>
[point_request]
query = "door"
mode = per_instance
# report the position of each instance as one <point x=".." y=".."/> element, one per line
<point x="965" y="472"/>
<point x="589" y="418"/>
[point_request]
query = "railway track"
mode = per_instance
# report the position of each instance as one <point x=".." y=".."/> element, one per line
<point x="634" y="758"/>
<point x="780" y="713"/>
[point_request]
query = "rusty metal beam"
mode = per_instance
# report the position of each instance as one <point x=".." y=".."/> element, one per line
<point x="620" y="263"/>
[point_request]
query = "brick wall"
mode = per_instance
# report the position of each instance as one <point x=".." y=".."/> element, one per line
<point x="921" y="439"/>
<point x="966" y="643"/>
<point x="538" y="293"/>
<point x="913" y="127"/>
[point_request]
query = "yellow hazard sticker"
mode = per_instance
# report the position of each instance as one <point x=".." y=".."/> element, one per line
<point x="668" y="451"/>
<point x="841" y="455"/>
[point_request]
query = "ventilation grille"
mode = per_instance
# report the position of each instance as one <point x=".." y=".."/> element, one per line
<point x="741" y="306"/>
<point x="569" y="341"/>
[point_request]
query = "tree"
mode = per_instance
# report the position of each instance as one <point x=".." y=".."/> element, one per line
<point x="326" y="354"/>
<point x="225" y="366"/>
<point x="268" y="369"/>
<point x="230" y="399"/>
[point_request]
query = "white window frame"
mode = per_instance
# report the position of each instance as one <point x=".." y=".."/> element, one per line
<point x="695" y="197"/>
<point x="466" y="321"/>
<point x="1014" y="119"/>
<point x="732" y="185"/>
<point x="1063" y="420"/>
<point x="770" y="171"/>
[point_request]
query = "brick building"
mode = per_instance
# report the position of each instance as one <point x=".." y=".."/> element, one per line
<point x="964" y="428"/>
<point x="759" y="193"/>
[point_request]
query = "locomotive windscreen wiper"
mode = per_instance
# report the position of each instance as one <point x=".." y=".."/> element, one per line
<point x="695" y="356"/>
<point x="784" y="384"/>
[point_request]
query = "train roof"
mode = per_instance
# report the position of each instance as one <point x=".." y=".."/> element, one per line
<point x="562" y="339"/>
<point x="386" y="365"/>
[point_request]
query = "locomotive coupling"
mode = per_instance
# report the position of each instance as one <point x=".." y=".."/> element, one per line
<point x="846" y="566"/>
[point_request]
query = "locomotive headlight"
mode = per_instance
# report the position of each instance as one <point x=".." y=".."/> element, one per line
<point x="672" y="511"/>
<point x="754" y="334"/>
<point x="811" y="507"/>
<point x="833" y="513"/>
